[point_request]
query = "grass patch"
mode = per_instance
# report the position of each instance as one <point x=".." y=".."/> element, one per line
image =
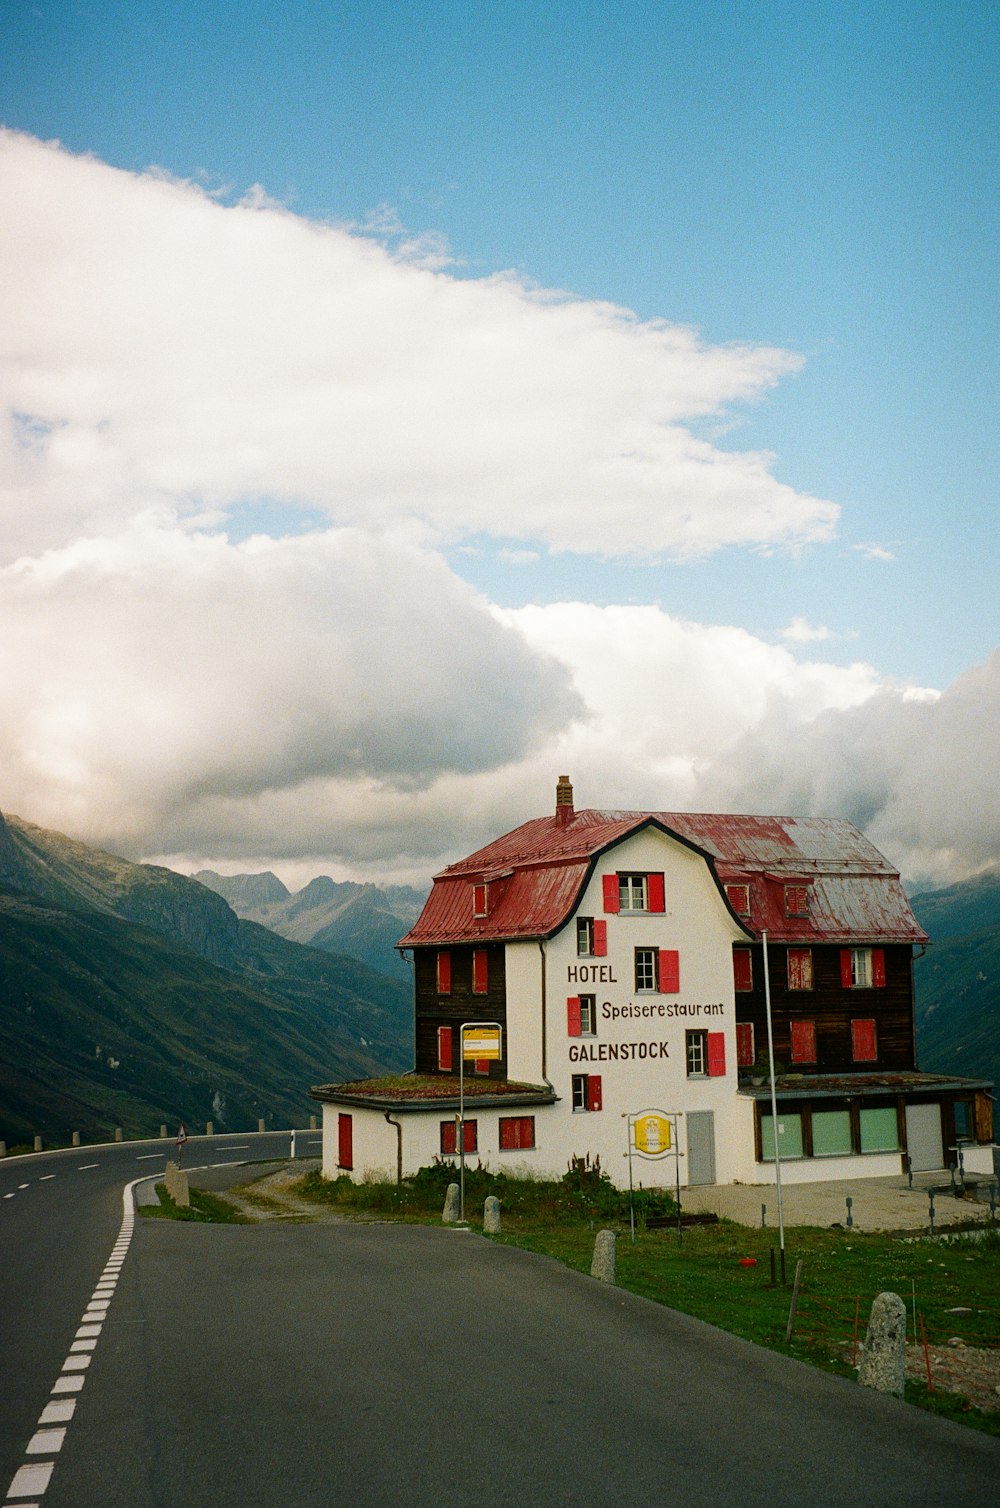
<point x="704" y="1275"/>
<point x="207" y="1209"/>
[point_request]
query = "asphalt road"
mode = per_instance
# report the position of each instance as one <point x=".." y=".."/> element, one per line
<point x="60" y="1214"/>
<point x="407" y="1365"/>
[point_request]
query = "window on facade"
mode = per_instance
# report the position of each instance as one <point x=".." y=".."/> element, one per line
<point x="345" y="1141"/>
<point x="517" y="1132"/>
<point x="645" y="968"/>
<point x="831" y="1133"/>
<point x="803" y="1041"/>
<point x="879" y="1129"/>
<point x="862" y="968"/>
<point x="591" y="937"/>
<point x="588" y="1015"/>
<point x="444" y="1049"/>
<point x="480" y="900"/>
<point x="634" y="892"/>
<point x="789" y="1136"/>
<point x="480" y="971"/>
<point x="586" y="1091"/>
<point x="743" y="968"/>
<point x="481" y="1066"/>
<point x="863" y="1045"/>
<point x="449" y="1137"/>
<point x="739" y="898"/>
<point x="444" y="973"/>
<point x="800" y="969"/>
<point x="744" y="1044"/>
<point x="963" y="1120"/>
<point x="796" y="900"/>
<point x="696" y="1045"/>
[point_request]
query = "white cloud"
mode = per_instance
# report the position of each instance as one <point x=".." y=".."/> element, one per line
<point x="170" y="352"/>
<point x="801" y="631"/>
<point x="875" y="552"/>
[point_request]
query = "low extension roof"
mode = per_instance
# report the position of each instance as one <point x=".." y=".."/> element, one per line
<point x="426" y="1092"/>
<point x="537" y="873"/>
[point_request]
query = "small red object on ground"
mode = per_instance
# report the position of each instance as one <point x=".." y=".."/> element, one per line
<point x="748" y="1261"/>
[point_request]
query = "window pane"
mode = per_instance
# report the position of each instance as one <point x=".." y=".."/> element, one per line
<point x="831" y="1133"/>
<point x="588" y="1015"/>
<point x="584" y="936"/>
<point x="878" y="1130"/>
<point x="861" y="968"/>
<point x="645" y="968"/>
<point x="697" y="1053"/>
<point x="632" y="892"/>
<point x="789" y="1136"/>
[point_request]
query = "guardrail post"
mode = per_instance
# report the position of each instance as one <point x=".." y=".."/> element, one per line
<point x="118" y="1133"/>
<point x="163" y="1133"/>
<point x="312" y="1123"/>
<point x="38" y="1143"/>
<point x="260" y="1124"/>
<point x="3" y="1149"/>
<point x="76" y="1138"/>
<point x="209" y="1128"/>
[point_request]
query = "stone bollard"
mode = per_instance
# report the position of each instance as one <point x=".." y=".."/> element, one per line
<point x="118" y="1133"/>
<point x="883" y="1357"/>
<point x="3" y="1149"/>
<point x="603" y="1265"/>
<point x="452" y="1211"/>
<point x="38" y="1143"/>
<point x="76" y="1138"/>
<point x="209" y="1128"/>
<point x="163" y="1133"/>
<point x="491" y="1216"/>
<point x="260" y="1124"/>
<point x="176" y="1181"/>
<point x="312" y="1123"/>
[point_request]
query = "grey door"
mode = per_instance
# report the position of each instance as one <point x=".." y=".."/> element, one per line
<point x="701" y="1146"/>
<point x="923" y="1137"/>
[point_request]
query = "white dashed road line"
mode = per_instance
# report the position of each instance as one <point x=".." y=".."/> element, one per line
<point x="150" y="1156"/>
<point x="87" y="1166"/>
<point x="32" y="1479"/>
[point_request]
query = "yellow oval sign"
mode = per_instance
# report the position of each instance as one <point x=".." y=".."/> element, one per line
<point x="652" y="1134"/>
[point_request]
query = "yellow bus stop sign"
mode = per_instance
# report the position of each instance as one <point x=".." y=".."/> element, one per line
<point x="481" y="1042"/>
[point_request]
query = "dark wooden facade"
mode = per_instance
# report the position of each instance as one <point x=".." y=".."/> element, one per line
<point x="832" y="1008"/>
<point x="434" y="1008"/>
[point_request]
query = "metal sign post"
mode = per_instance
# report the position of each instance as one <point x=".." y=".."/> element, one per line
<point x="653" y="1135"/>
<point x="485" y="1041"/>
<point x="774" y="1107"/>
<point x="182" y="1137"/>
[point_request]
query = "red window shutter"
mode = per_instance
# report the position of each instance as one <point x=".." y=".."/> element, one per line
<point x="479" y="971"/>
<point x="479" y="900"/>
<point x="610" y="884"/>
<point x="345" y="1141"/>
<point x="516" y="1131"/>
<point x="800" y="975"/>
<point x="654" y="892"/>
<point x="444" y="973"/>
<point x="744" y="1044"/>
<point x="803" y="1041"/>
<point x="846" y="972"/>
<point x="863" y="1041"/>
<point x="594" y="1091"/>
<point x="670" y="971"/>
<point x="469" y="1136"/>
<point x="444" y="1048"/>
<point x="507" y="1140"/>
<point x="481" y="1065"/>
<point x="573" y="1016"/>
<point x="743" y="968"/>
<point x="449" y="1139"/>
<point x="878" y="968"/>
<point x="600" y="939"/>
<point x="716" y="1055"/>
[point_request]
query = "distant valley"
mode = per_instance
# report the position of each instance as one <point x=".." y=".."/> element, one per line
<point x="958" y="979"/>
<point x="132" y="996"/>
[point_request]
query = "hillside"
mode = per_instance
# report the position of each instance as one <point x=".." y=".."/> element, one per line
<point x="131" y="996"/>
<point x="958" y="979"/>
<point x="364" y="921"/>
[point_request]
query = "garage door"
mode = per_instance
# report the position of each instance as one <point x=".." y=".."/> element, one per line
<point x="923" y="1137"/>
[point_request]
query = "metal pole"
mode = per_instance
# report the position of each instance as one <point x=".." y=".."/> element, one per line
<point x="631" y="1199"/>
<point x="774" y="1103"/>
<point x="677" y="1177"/>
<point x="461" y="1123"/>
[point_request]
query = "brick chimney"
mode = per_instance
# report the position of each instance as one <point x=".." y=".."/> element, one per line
<point x="564" y="799"/>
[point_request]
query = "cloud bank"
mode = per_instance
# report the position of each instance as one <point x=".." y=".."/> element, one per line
<point x="336" y="698"/>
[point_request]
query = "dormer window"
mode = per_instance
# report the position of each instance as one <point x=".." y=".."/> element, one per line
<point x="739" y="898"/>
<point x="796" y="900"/>
<point x="480" y="900"/>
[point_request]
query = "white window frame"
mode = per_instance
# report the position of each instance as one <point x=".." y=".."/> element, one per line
<point x="585" y="937"/>
<point x="696" y="1054"/>
<point x="588" y="1015"/>
<point x="861" y="968"/>
<point x="649" y="965"/>
<point x="633" y="892"/>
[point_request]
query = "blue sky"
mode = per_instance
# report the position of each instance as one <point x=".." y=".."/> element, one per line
<point x="821" y="179"/>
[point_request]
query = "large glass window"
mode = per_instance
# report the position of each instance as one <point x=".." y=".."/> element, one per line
<point x="831" y="1133"/>
<point x="789" y="1136"/>
<point x="879" y="1130"/>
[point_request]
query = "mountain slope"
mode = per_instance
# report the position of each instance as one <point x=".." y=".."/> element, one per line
<point x="365" y="921"/>
<point x="958" y="980"/>
<point x="130" y="995"/>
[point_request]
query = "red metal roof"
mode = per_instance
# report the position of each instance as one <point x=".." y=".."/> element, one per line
<point x="535" y="875"/>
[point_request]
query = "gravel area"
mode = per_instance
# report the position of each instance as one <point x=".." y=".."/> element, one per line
<point x="971" y="1371"/>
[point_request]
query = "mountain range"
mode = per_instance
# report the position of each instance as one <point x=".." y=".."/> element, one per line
<point x="365" y="921"/>
<point x="132" y="996"/>
<point x="958" y="979"/>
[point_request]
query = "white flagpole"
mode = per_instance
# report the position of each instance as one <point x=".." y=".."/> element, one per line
<point x="774" y="1105"/>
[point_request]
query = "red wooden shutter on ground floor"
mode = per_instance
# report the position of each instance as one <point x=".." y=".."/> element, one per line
<point x="594" y="1101"/>
<point x="449" y="1137"/>
<point x="803" y="1041"/>
<point x="516" y="1131"/>
<point x="345" y="1141"/>
<point x="444" y="1048"/>
<point x="600" y="939"/>
<point x="863" y="1041"/>
<point x="573" y="1016"/>
<point x="716" y="1055"/>
<point x="670" y="971"/>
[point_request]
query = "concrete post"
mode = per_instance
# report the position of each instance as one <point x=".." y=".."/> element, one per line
<point x="452" y="1211"/>
<point x="38" y="1143"/>
<point x="3" y="1149"/>
<point x="312" y="1123"/>
<point x="209" y="1128"/>
<point x="260" y="1125"/>
<point x="603" y="1265"/>
<point x="176" y="1181"/>
<point x="491" y="1216"/>
<point x="118" y="1133"/>
<point x="76" y="1138"/>
<point x="883" y="1358"/>
<point x="163" y="1133"/>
